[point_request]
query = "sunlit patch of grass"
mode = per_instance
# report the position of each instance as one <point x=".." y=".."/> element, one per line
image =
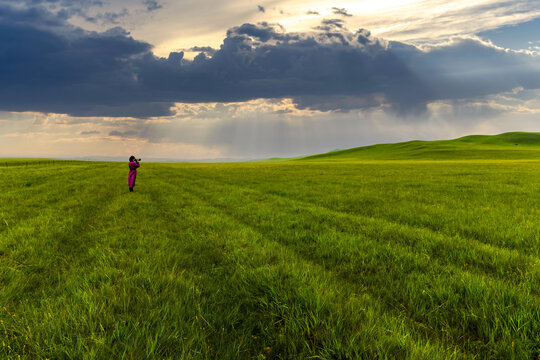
<point x="507" y="146"/>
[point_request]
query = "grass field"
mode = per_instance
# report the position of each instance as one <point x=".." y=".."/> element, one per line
<point x="309" y="259"/>
<point x="508" y="146"/>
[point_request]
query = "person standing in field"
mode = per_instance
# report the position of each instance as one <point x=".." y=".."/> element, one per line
<point x="133" y="165"/>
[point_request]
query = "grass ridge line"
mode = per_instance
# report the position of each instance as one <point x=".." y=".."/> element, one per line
<point x="395" y="317"/>
<point x="51" y="198"/>
<point x="486" y="250"/>
<point x="460" y="273"/>
<point x="461" y="234"/>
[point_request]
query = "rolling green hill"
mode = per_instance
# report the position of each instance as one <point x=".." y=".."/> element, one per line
<point x="512" y="145"/>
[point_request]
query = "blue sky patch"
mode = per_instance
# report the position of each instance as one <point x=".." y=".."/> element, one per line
<point x="520" y="36"/>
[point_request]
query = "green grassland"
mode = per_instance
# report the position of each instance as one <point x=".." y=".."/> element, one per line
<point x="31" y="161"/>
<point x="361" y="258"/>
<point x="510" y="146"/>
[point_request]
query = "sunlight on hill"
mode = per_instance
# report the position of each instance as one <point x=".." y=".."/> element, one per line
<point x="514" y="145"/>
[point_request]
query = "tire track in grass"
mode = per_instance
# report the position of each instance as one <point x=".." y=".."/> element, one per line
<point x="335" y="304"/>
<point x="18" y="238"/>
<point x="51" y="243"/>
<point x="53" y="272"/>
<point x="110" y="294"/>
<point x="129" y="250"/>
<point x="464" y="232"/>
<point x="485" y="258"/>
<point x="258" y="232"/>
<point x="36" y="199"/>
<point x="467" y="295"/>
<point x="220" y="259"/>
<point x="45" y="208"/>
<point x="472" y="255"/>
<point x="31" y="179"/>
<point x="530" y="261"/>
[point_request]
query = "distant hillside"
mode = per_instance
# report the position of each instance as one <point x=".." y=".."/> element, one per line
<point x="512" y="145"/>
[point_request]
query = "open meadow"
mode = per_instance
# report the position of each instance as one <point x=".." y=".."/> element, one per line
<point x="409" y="258"/>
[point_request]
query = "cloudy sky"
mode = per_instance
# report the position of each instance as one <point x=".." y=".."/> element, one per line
<point x="243" y="79"/>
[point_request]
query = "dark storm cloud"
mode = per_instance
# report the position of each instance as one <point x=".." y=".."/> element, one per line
<point x="330" y="24"/>
<point x="51" y="66"/>
<point x="341" y="11"/>
<point x="69" y="8"/>
<point x="249" y="32"/>
<point x="202" y="49"/>
<point x="152" y="5"/>
<point x="468" y="68"/>
<point x="261" y="8"/>
<point x="110" y="17"/>
<point x="205" y="49"/>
